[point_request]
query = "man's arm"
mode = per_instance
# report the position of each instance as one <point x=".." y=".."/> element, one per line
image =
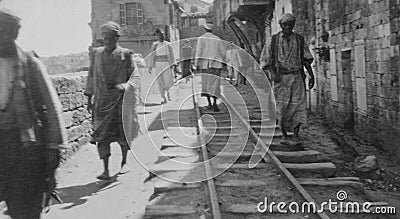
<point x="89" y="82"/>
<point x="307" y="60"/>
<point x="266" y="60"/>
<point x="198" y="51"/>
<point x="129" y="68"/>
<point x="54" y="129"/>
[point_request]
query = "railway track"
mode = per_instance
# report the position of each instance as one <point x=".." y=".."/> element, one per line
<point x="226" y="187"/>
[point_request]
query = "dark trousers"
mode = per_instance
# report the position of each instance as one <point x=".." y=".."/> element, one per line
<point x="21" y="176"/>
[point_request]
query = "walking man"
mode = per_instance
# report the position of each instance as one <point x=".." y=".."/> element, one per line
<point x="31" y="128"/>
<point x="210" y="52"/>
<point x="284" y="56"/>
<point x="234" y="63"/>
<point x="107" y="81"/>
<point x="187" y="56"/>
<point x="162" y="60"/>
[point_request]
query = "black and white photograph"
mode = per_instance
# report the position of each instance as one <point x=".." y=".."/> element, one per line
<point x="199" y="109"/>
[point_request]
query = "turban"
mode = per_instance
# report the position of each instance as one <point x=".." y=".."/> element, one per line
<point x="159" y="31"/>
<point x="8" y="18"/>
<point x="209" y="26"/>
<point x="287" y="18"/>
<point x="110" y="27"/>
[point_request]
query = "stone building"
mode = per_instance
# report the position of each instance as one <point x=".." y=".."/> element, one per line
<point x="66" y="63"/>
<point x="243" y="21"/>
<point x="138" y="19"/>
<point x="356" y="46"/>
<point x="194" y="14"/>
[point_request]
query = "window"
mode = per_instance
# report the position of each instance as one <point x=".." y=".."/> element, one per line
<point x="122" y="15"/>
<point x="140" y="13"/>
<point x="130" y="13"/>
<point x="361" y="81"/>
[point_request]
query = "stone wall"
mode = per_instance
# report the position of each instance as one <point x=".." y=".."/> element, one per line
<point x="70" y="88"/>
<point x="359" y="87"/>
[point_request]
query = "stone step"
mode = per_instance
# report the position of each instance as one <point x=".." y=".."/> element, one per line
<point x="165" y="186"/>
<point x="166" y="166"/>
<point x="325" y="169"/>
<point x="285" y="157"/>
<point x="266" y="126"/>
<point x="233" y="135"/>
<point x="333" y="182"/>
<point x="220" y="127"/>
<point x="240" y="166"/>
<point x="241" y="183"/>
<point x="168" y="210"/>
<point x="310" y="156"/>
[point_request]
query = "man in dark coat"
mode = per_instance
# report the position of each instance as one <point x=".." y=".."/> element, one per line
<point x="31" y="128"/>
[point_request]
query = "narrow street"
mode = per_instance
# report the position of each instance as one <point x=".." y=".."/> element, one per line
<point x="125" y="195"/>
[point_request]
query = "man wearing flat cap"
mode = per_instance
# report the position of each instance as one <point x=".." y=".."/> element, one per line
<point x="31" y="129"/>
<point x="285" y="55"/>
<point x="209" y="56"/>
<point x="109" y="73"/>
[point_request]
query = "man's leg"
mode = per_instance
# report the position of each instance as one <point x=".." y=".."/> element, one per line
<point x="161" y="88"/>
<point x="103" y="148"/>
<point x="236" y="75"/>
<point x="296" y="137"/>
<point x="215" y="106"/>
<point x="124" y="150"/>
<point x="25" y="184"/>
<point x="209" y="102"/>
<point x="285" y="137"/>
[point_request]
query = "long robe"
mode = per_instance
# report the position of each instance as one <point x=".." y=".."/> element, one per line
<point x="105" y="73"/>
<point x="290" y="92"/>
<point x="209" y="57"/>
<point x="162" y="58"/>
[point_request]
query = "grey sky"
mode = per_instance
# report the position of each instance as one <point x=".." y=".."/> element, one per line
<point x="52" y="27"/>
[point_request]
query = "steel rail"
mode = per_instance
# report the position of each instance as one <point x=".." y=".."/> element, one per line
<point x="212" y="191"/>
<point x="275" y="160"/>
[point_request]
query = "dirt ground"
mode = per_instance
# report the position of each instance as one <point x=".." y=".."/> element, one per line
<point x="127" y="195"/>
<point x="343" y="148"/>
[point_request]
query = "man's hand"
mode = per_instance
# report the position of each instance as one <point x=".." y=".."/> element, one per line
<point x="150" y="70"/>
<point x="277" y="78"/>
<point x="89" y="104"/>
<point x="122" y="86"/>
<point x="311" y="82"/>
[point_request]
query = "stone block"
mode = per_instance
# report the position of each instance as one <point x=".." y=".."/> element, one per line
<point x="75" y="132"/>
<point x="64" y="99"/>
<point x="395" y="39"/>
<point x="67" y="117"/>
<point x="80" y="115"/>
<point x="360" y="34"/>
<point x="386" y="29"/>
<point x="383" y="67"/>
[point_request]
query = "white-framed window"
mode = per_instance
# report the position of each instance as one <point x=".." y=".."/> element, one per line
<point x="131" y="13"/>
<point x="140" y="13"/>
<point x="361" y="80"/>
<point x="122" y="14"/>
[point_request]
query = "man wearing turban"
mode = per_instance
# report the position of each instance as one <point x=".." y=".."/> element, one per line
<point x="110" y="70"/>
<point x="162" y="60"/>
<point x="31" y="129"/>
<point x="285" y="55"/>
<point x="210" y="53"/>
